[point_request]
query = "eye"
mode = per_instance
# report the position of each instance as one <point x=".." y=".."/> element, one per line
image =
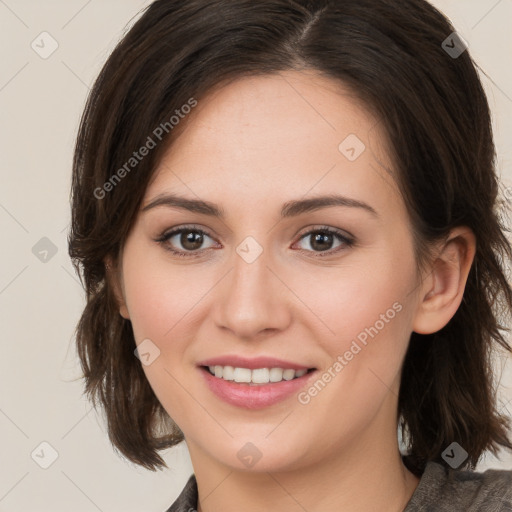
<point x="323" y="238"/>
<point x="189" y="238"/>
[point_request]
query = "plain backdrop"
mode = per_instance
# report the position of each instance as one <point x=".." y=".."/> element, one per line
<point x="41" y="100"/>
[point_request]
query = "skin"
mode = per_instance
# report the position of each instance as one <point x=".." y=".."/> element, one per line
<point x="250" y="147"/>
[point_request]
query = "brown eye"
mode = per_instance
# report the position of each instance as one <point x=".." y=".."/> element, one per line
<point x="322" y="240"/>
<point x="191" y="240"/>
<point x="184" y="241"/>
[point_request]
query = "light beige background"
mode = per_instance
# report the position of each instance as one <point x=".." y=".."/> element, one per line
<point x="40" y="302"/>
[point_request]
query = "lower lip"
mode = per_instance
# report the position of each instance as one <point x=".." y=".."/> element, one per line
<point x="255" y="396"/>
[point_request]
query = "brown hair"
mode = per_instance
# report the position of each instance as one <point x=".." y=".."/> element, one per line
<point x="434" y="112"/>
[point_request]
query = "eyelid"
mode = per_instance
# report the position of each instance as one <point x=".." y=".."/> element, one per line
<point x="173" y="231"/>
<point x="323" y="227"/>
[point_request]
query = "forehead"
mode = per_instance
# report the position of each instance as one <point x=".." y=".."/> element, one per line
<point x="294" y="132"/>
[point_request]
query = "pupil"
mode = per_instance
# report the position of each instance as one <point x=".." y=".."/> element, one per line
<point x="191" y="240"/>
<point x="321" y="237"/>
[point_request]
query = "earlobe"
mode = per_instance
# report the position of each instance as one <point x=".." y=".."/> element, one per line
<point x="123" y="311"/>
<point x="114" y="281"/>
<point x="443" y="289"/>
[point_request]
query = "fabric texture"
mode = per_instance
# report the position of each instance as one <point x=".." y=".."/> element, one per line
<point x="440" y="489"/>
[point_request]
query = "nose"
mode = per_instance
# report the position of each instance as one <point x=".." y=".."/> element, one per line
<point x="252" y="299"/>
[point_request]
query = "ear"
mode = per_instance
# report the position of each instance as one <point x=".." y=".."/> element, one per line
<point x="115" y="281"/>
<point x="443" y="289"/>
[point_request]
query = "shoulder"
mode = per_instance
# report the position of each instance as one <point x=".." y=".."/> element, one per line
<point x="491" y="489"/>
<point x="447" y="490"/>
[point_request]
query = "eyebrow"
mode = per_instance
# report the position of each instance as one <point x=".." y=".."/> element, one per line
<point x="289" y="209"/>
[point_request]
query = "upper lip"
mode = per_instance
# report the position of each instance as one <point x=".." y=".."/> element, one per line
<point x="253" y="363"/>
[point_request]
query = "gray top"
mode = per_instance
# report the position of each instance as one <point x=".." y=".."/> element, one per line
<point x="441" y="489"/>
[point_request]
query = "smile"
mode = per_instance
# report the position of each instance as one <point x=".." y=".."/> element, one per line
<point x="255" y="376"/>
<point x="247" y="392"/>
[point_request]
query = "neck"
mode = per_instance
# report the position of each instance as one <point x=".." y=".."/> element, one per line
<point x="366" y="473"/>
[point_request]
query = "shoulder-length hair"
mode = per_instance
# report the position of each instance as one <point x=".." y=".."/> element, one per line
<point x="427" y="94"/>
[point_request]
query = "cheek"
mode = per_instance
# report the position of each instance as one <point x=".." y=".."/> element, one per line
<point x="370" y="315"/>
<point x="160" y="297"/>
<point x="369" y="312"/>
<point x="363" y="295"/>
<point x="160" y="302"/>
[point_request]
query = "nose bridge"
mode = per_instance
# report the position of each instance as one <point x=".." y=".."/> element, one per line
<point x="252" y="300"/>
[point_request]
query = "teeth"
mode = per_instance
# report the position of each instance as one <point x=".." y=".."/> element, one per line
<point x="228" y="373"/>
<point x="276" y="375"/>
<point x="260" y="376"/>
<point x="288" y="374"/>
<point x="241" y="374"/>
<point x="256" y="376"/>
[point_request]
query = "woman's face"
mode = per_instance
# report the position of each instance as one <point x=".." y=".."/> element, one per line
<point x="266" y="280"/>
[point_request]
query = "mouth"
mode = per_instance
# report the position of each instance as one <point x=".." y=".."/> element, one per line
<point x="256" y="376"/>
<point x="254" y="383"/>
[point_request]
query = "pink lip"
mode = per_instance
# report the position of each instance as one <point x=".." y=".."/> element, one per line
<point x="254" y="396"/>
<point x="251" y="364"/>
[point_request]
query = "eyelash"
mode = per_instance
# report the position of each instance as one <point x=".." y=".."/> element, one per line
<point x="166" y="236"/>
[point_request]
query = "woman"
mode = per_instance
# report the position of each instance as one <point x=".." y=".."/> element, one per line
<point x="286" y="217"/>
